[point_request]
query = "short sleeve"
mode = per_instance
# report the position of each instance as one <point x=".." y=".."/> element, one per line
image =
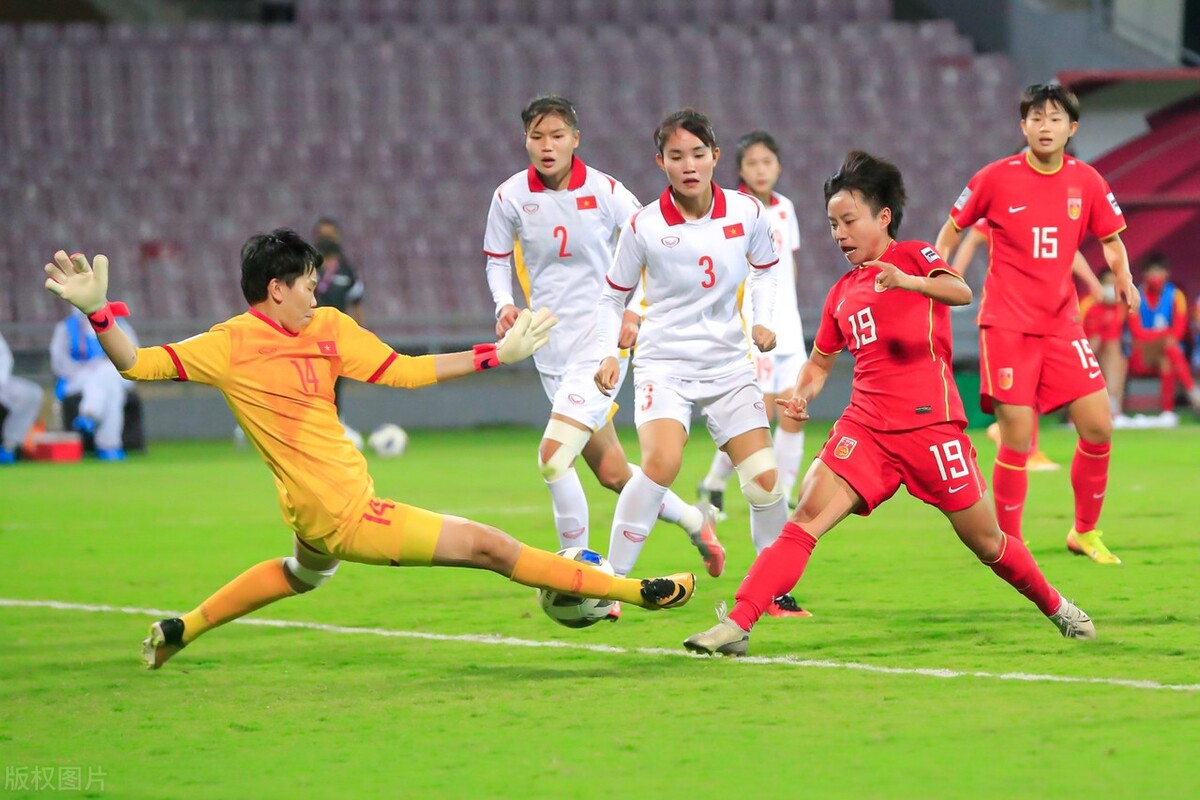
<point x="829" y="339"/>
<point x="760" y="246"/>
<point x="972" y="202"/>
<point x="501" y="230"/>
<point x="626" y="268"/>
<point x="1106" y="219"/>
<point x="926" y="261"/>
<point x="792" y="226"/>
<point x="624" y="206"/>
<point x="201" y="359"/>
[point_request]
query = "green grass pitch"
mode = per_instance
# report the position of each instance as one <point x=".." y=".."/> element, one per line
<point x="254" y="711"/>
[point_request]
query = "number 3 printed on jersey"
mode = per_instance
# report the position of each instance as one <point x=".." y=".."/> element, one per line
<point x="710" y="277"/>
<point x="862" y="326"/>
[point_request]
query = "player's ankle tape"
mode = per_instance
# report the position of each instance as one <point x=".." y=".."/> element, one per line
<point x="486" y="356"/>
<point x="103" y="319"/>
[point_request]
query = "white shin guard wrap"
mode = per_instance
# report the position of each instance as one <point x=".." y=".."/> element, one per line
<point x="312" y="577"/>
<point x="571" y="441"/>
<point x="751" y="467"/>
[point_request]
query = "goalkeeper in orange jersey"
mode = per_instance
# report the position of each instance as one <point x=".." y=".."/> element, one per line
<point x="276" y="365"/>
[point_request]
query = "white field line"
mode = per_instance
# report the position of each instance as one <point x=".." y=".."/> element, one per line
<point x="509" y="641"/>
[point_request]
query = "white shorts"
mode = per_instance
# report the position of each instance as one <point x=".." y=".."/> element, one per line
<point x="777" y="372"/>
<point x="731" y="405"/>
<point x="574" y="395"/>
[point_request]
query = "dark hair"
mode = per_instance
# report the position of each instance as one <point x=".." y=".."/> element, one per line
<point x="549" y="104"/>
<point x="1038" y="95"/>
<point x="753" y="138"/>
<point x="1155" y="259"/>
<point x="879" y="182"/>
<point x="330" y="221"/>
<point x="691" y="121"/>
<point x="280" y="254"/>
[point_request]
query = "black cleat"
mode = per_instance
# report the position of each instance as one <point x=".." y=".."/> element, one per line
<point x="669" y="592"/>
<point x="164" y="641"/>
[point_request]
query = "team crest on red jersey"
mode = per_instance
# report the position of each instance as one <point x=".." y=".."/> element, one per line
<point x="845" y="447"/>
<point x="1074" y="207"/>
<point x="1006" y="378"/>
<point x="327" y="348"/>
<point x="734" y="231"/>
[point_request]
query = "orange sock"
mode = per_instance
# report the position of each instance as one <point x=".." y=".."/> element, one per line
<point x="256" y="587"/>
<point x="545" y="570"/>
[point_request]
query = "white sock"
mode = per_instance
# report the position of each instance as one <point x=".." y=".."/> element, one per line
<point x="766" y="523"/>
<point x="677" y="512"/>
<point x="570" y="510"/>
<point x="718" y="473"/>
<point x="637" y="507"/>
<point x="789" y="452"/>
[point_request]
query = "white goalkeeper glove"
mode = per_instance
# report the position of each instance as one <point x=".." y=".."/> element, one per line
<point x="83" y="285"/>
<point x="526" y="336"/>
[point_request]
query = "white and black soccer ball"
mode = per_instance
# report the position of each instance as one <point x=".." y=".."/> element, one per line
<point x="576" y="612"/>
<point x="389" y="441"/>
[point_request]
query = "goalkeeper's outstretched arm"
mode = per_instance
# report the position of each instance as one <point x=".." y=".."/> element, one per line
<point x="85" y="286"/>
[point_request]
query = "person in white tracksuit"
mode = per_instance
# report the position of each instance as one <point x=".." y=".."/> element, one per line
<point x="21" y="400"/>
<point x="79" y="363"/>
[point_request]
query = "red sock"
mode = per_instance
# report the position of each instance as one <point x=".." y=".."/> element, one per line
<point x="1166" y="390"/>
<point x="1010" y="484"/>
<point x="1089" y="479"/>
<point x="1016" y="566"/>
<point x="1180" y="368"/>
<point x="776" y="570"/>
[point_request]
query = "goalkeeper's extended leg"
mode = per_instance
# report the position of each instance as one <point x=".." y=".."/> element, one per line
<point x="258" y="586"/>
<point x="463" y="543"/>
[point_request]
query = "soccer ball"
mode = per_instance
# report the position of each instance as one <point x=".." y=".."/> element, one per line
<point x="389" y="441"/>
<point x="576" y="612"/>
<point x="354" y="436"/>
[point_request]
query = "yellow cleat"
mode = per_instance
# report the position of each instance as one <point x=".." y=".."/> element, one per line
<point x="1040" y="462"/>
<point x="669" y="592"/>
<point x="1089" y="544"/>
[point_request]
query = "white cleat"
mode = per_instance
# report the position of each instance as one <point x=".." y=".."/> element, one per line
<point x="1073" y="622"/>
<point x="725" y="638"/>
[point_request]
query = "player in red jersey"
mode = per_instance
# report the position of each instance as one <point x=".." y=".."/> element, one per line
<point x="1034" y="357"/>
<point x="905" y="422"/>
<point x="1104" y="325"/>
<point x="1158" y="327"/>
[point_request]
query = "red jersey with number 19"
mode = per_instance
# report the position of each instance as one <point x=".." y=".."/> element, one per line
<point x="1036" y="221"/>
<point x="901" y="342"/>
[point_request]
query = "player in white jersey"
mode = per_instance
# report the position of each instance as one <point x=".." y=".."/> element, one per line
<point x="558" y="221"/>
<point x="758" y="171"/>
<point x="696" y="244"/>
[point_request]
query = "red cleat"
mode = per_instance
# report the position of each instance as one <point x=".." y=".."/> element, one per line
<point x="786" y="606"/>
<point x="614" y="612"/>
<point x="707" y="543"/>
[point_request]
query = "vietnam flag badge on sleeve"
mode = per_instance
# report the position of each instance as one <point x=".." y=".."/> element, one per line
<point x="584" y="203"/>
<point x="734" y="231"/>
<point x="327" y="348"/>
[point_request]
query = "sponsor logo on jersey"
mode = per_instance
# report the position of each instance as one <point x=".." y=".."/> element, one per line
<point x="734" y="231"/>
<point x="1074" y="207"/>
<point x="1006" y="377"/>
<point x="961" y="202"/>
<point x="760" y="405"/>
<point x="930" y="254"/>
<point x="1112" y="201"/>
<point x="845" y="447"/>
<point x="530" y="208"/>
<point x="584" y="203"/>
<point x="576" y="400"/>
<point x="670" y="241"/>
<point x="924" y="409"/>
<point x="328" y="348"/>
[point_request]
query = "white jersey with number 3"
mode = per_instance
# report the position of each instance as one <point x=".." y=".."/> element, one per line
<point x="785" y="229"/>
<point x="693" y="269"/>
<point x="566" y="241"/>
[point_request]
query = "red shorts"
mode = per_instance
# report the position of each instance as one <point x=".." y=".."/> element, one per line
<point x="1043" y="372"/>
<point x="936" y="463"/>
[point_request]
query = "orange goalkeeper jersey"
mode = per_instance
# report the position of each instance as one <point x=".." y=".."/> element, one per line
<point x="279" y="386"/>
